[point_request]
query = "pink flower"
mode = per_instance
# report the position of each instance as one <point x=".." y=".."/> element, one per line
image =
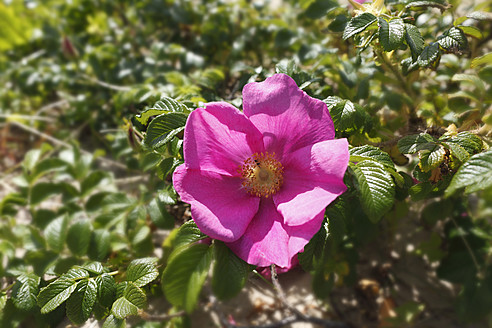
<point x="260" y="180"/>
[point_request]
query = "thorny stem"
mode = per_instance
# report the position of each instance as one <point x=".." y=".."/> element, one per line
<point x="281" y="294"/>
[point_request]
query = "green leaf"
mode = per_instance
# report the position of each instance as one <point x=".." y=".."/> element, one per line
<point x="472" y="31"/>
<point x="430" y="56"/>
<point x="45" y="166"/>
<point x="472" y="79"/>
<point x="470" y="142"/>
<point x="30" y="159"/>
<point x="414" y="40"/>
<point x="130" y="302"/>
<point x="94" y="268"/>
<point x="358" y="24"/>
<point x="79" y="237"/>
<point x="80" y="304"/>
<point x="76" y="273"/>
<point x="56" y="233"/>
<point x="163" y="128"/>
<point x="413" y="143"/>
<point x="188" y="233"/>
<point x="113" y="322"/>
<point x="453" y="40"/>
<point x="142" y="271"/>
<point x="457" y="151"/>
<point x="164" y="106"/>
<point x="183" y="277"/>
<point x="106" y="289"/>
<point x="415" y="5"/>
<point x="361" y="153"/>
<point x="319" y="8"/>
<point x="343" y="115"/>
<point x="391" y="33"/>
<point x="483" y="60"/>
<point x="43" y="190"/>
<point x="431" y="158"/>
<point x="93" y="180"/>
<point x="53" y="295"/>
<point x="474" y="175"/>
<point x="25" y="290"/>
<point x="230" y="272"/>
<point x="100" y="244"/>
<point x="159" y="214"/>
<point x="376" y="188"/>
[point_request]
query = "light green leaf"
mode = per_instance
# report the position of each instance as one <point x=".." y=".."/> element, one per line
<point x="415" y="5"/>
<point x="93" y="180"/>
<point x="358" y="24"/>
<point x="30" y="159"/>
<point x="56" y="233"/>
<point x="163" y="128"/>
<point x="132" y="300"/>
<point x="53" y="295"/>
<point x="431" y="158"/>
<point x="142" y="271"/>
<point x="94" y="267"/>
<point x="472" y="31"/>
<point x="25" y="290"/>
<point x="80" y="303"/>
<point x="474" y="175"/>
<point x="472" y="79"/>
<point x="453" y="40"/>
<point x="113" y="322"/>
<point x="413" y="143"/>
<point x="429" y="56"/>
<point x="376" y="188"/>
<point x="483" y="60"/>
<point x="45" y="166"/>
<point x="414" y="40"/>
<point x="361" y="153"/>
<point x="391" y="33"/>
<point x="183" y="278"/>
<point x="79" y="237"/>
<point x="230" y="272"/>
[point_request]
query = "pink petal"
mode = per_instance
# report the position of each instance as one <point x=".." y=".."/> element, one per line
<point x="313" y="178"/>
<point x="220" y="208"/>
<point x="268" y="241"/>
<point x="288" y="118"/>
<point x="219" y="138"/>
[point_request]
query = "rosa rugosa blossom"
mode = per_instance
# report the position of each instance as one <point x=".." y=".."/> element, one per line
<point x="260" y="179"/>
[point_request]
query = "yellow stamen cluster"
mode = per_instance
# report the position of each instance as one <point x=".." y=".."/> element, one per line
<point x="262" y="174"/>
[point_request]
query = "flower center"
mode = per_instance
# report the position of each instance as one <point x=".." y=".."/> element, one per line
<point x="262" y="174"/>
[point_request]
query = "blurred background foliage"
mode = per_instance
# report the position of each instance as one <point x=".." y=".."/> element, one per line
<point x="80" y="188"/>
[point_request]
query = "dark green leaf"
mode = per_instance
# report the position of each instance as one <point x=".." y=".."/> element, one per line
<point x="142" y="271"/>
<point x="230" y="272"/>
<point x="46" y="166"/>
<point x="53" y="295"/>
<point x="93" y="180"/>
<point x="106" y="289"/>
<point x="414" y="40"/>
<point x="163" y="128"/>
<point x="164" y="106"/>
<point x="358" y="24"/>
<point x="413" y="143"/>
<point x="79" y="237"/>
<point x="319" y="8"/>
<point x="391" y="33"/>
<point x="429" y="56"/>
<point x="376" y="188"/>
<point x="431" y="158"/>
<point x="56" y="233"/>
<point x="475" y="174"/>
<point x="183" y="277"/>
<point x="468" y="141"/>
<point x="453" y="40"/>
<point x="130" y="302"/>
<point x="100" y="244"/>
<point x="457" y="151"/>
<point x="76" y="273"/>
<point x="359" y="154"/>
<point x="188" y="233"/>
<point x="343" y="115"/>
<point x="94" y="268"/>
<point x="25" y="290"/>
<point x="80" y="304"/>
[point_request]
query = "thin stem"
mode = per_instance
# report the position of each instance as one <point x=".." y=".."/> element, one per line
<point x="156" y="317"/>
<point x="472" y="255"/>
